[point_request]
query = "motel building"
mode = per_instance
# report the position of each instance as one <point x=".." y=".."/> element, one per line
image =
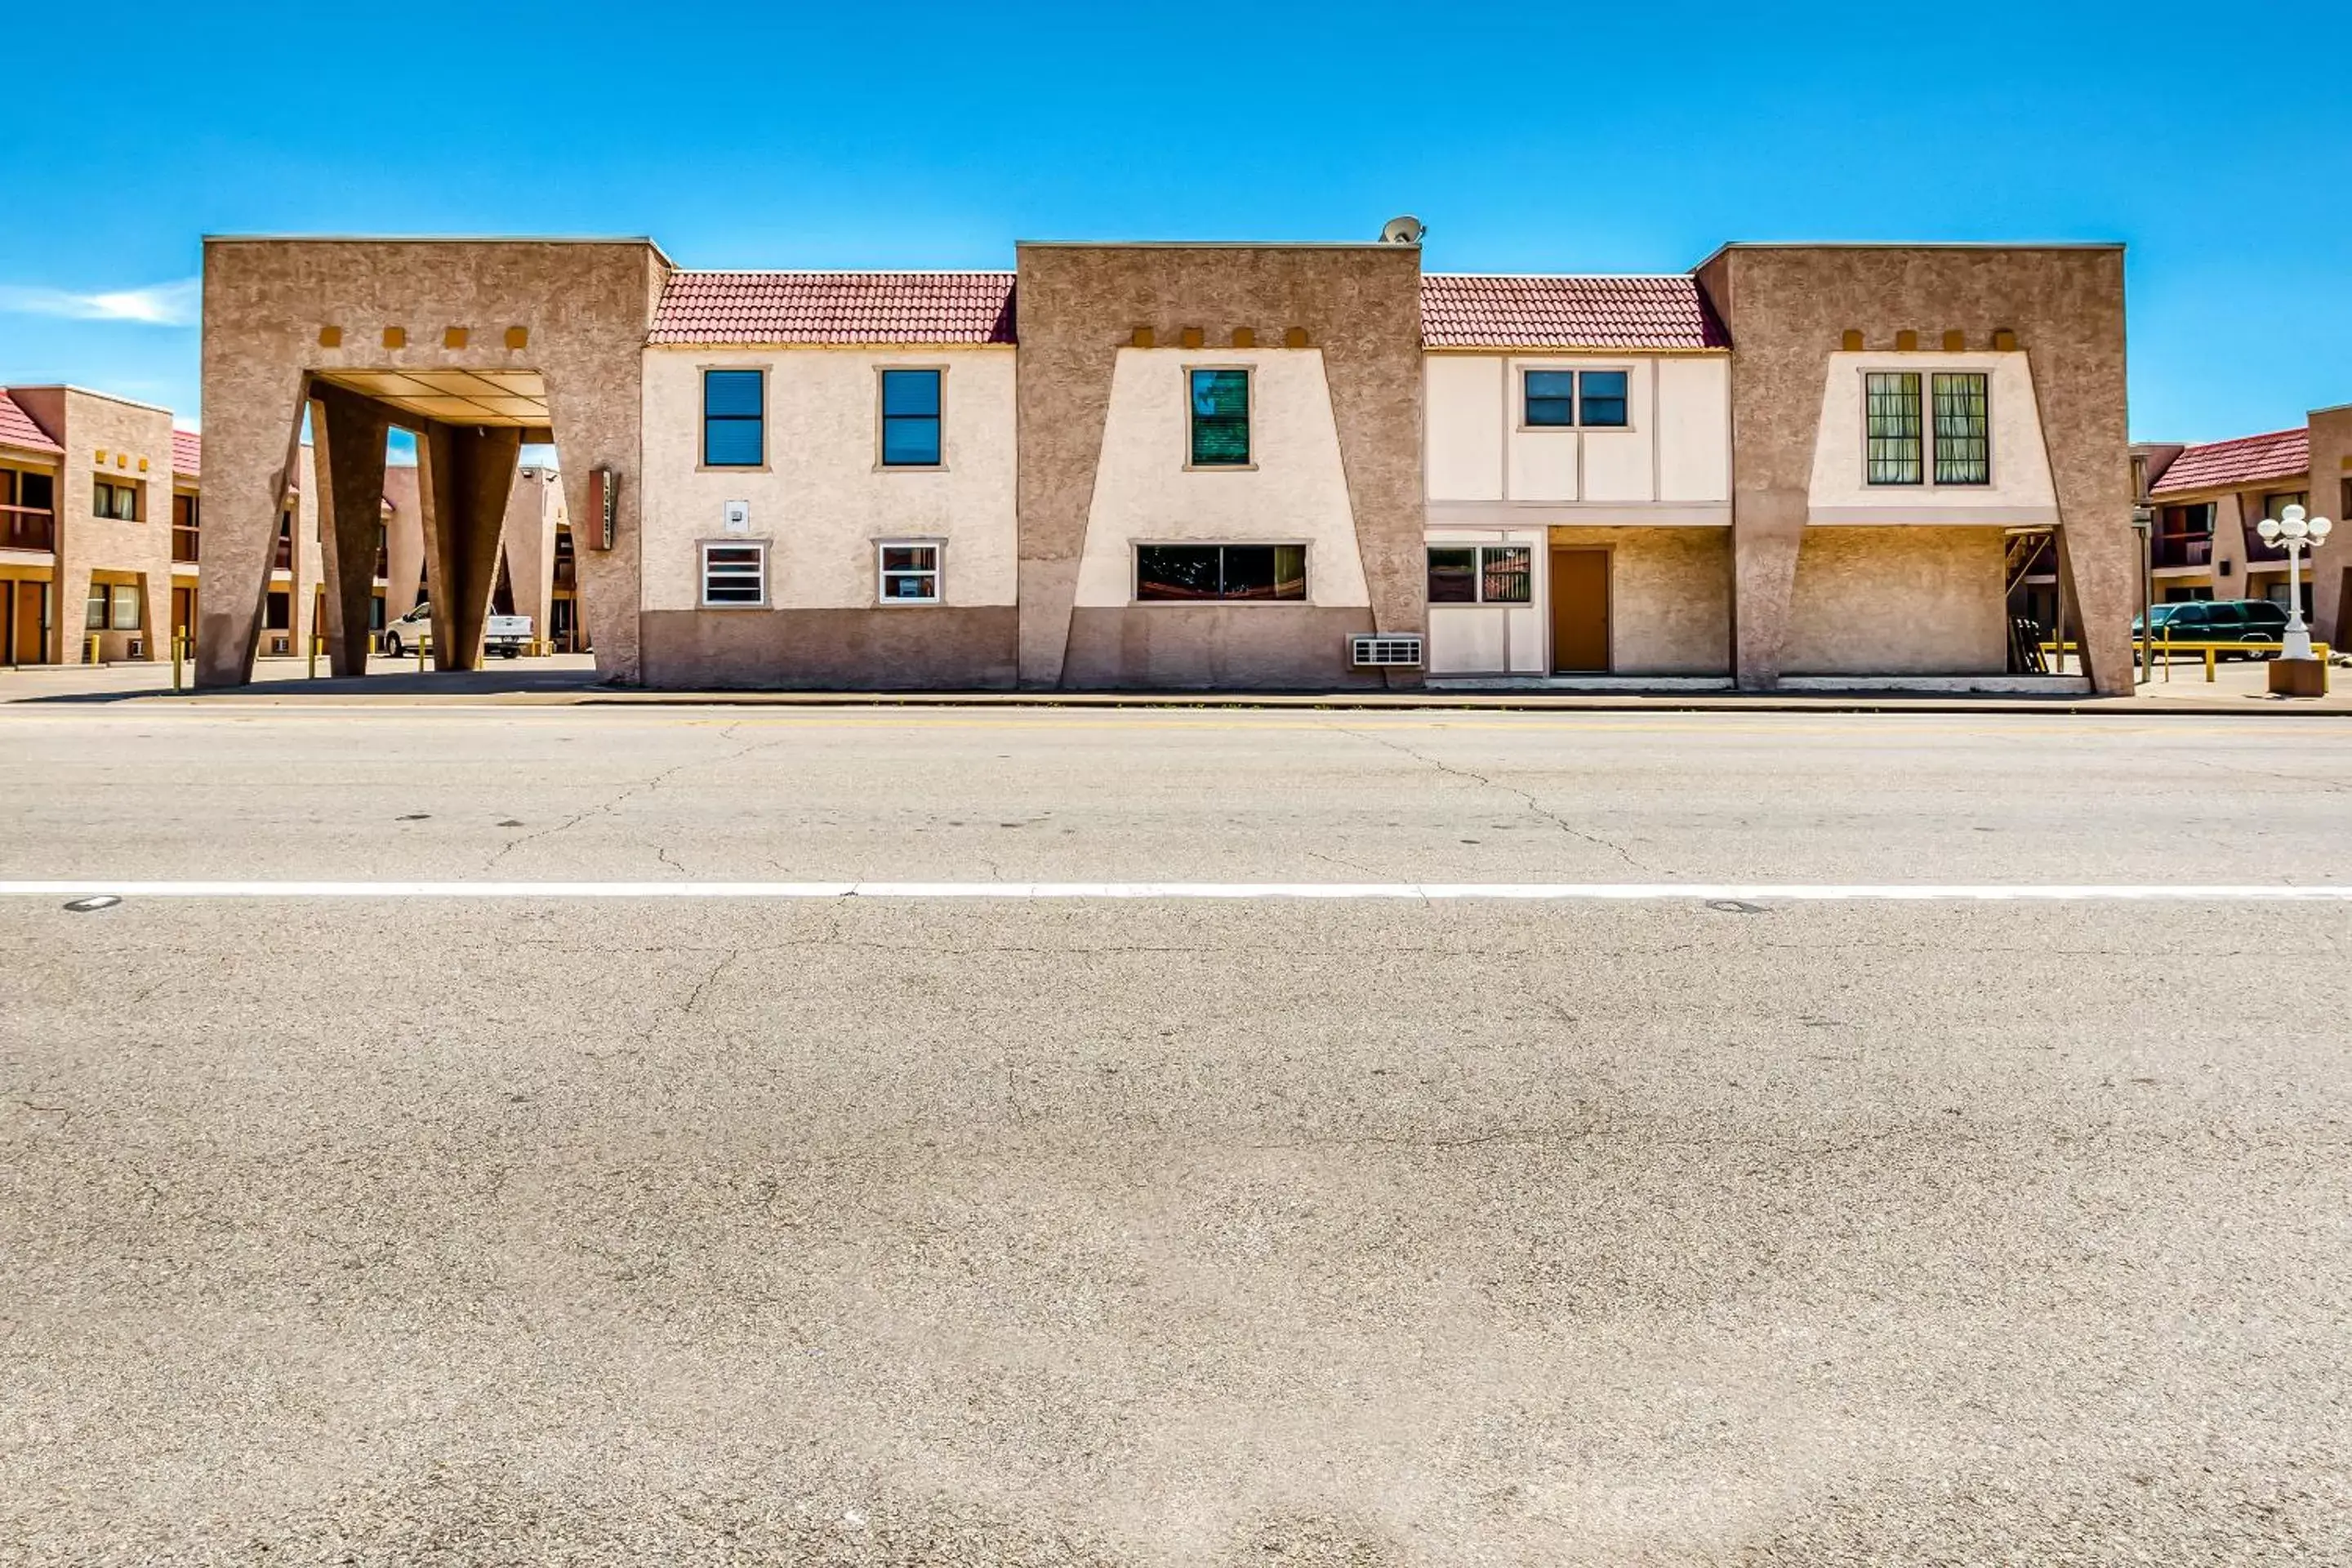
<point x="1248" y="467"/>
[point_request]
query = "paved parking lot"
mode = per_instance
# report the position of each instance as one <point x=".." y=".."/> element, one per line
<point x="393" y="1229"/>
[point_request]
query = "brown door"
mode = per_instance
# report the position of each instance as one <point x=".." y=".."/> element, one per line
<point x="1579" y="610"/>
<point x="25" y="646"/>
<point x="183" y="612"/>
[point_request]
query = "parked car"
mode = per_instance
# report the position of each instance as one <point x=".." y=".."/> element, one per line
<point x="506" y="635"/>
<point x="2196" y="622"/>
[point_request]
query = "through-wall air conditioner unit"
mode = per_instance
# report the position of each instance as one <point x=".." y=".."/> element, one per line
<point x="1375" y="650"/>
<point x="281" y="645"/>
<point x="138" y="648"/>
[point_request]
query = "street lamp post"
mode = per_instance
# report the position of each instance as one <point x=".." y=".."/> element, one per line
<point x="2296" y="672"/>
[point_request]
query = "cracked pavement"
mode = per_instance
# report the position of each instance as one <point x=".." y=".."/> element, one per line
<point x="899" y="1232"/>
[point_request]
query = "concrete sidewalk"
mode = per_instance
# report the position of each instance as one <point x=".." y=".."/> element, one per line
<point x="570" y="681"/>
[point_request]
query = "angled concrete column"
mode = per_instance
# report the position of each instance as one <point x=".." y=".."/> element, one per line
<point x="463" y="479"/>
<point x="252" y="434"/>
<point x="1767" y="532"/>
<point x="347" y="435"/>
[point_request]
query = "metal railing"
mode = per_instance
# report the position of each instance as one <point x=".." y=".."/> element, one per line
<point x="27" y="528"/>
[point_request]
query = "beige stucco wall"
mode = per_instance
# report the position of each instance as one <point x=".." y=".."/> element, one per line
<point x="1669" y="597"/>
<point x="2020" y="493"/>
<point x="1295" y="491"/>
<point x="1675" y="448"/>
<point x="822" y="501"/>
<point x="1904" y="600"/>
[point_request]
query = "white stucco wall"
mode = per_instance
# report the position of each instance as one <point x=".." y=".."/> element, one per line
<point x="1296" y="492"/>
<point x="823" y="499"/>
<point x="1676" y="448"/>
<point x="2021" y="493"/>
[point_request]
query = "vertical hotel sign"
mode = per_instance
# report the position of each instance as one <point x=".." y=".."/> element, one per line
<point x="604" y="506"/>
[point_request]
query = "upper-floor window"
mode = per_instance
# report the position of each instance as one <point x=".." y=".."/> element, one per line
<point x="734" y="418"/>
<point x="2276" y="503"/>
<point x="1891" y="416"/>
<point x="1220" y="405"/>
<point x="1481" y="575"/>
<point x="115" y="499"/>
<point x="186" y="521"/>
<point x="1562" y="399"/>
<point x="1896" y="430"/>
<point x="1198" y="571"/>
<point x="1963" y="428"/>
<point x="911" y="419"/>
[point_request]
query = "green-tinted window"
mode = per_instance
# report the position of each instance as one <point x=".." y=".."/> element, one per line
<point x="1221" y="433"/>
<point x="1550" y="397"/>
<point x="1892" y="410"/>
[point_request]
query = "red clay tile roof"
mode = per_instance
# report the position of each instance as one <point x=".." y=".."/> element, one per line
<point x="2226" y="465"/>
<point x="1478" y="310"/>
<point x="187" y="452"/>
<point x="17" y="430"/>
<point x="835" y="308"/>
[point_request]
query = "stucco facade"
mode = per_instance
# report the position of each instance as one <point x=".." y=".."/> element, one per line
<point x="1697" y="495"/>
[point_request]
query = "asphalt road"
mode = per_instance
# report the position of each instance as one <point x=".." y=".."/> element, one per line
<point x="911" y="1232"/>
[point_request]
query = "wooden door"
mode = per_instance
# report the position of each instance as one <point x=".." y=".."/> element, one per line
<point x="183" y="612"/>
<point x="28" y="643"/>
<point x="1579" y="610"/>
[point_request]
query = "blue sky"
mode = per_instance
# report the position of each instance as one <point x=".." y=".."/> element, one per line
<point x="1558" y="138"/>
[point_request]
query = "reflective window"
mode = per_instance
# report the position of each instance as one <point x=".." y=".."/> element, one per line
<point x="1221" y="432"/>
<point x="734" y="406"/>
<point x="1219" y="571"/>
<point x="910" y="418"/>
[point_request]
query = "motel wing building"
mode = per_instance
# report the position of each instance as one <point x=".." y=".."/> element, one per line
<point x="1210" y="466"/>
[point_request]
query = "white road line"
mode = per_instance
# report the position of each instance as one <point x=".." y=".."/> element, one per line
<point x="1616" y="892"/>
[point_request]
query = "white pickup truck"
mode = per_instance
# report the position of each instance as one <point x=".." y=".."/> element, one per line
<point x="506" y="635"/>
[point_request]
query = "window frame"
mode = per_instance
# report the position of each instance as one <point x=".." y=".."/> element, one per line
<point x="937" y="572"/>
<point x="1479" y="575"/>
<point x="1248" y="372"/>
<point x="1136" y="547"/>
<point x="702" y="549"/>
<point x="882" y="417"/>
<point x="1577" y="370"/>
<point x="703" y="372"/>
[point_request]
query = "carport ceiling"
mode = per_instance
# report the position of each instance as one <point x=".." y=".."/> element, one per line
<point x="454" y="397"/>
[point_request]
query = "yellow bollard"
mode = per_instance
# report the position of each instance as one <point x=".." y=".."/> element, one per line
<point x="314" y="658"/>
<point x="2208" y="663"/>
<point x="179" y="650"/>
<point x="91" y="651"/>
<point x="420" y="656"/>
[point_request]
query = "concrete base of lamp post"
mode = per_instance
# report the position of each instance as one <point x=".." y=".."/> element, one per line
<point x="2298" y="677"/>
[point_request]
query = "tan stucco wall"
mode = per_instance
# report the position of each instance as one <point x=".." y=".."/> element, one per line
<point x="404" y="541"/>
<point x="2331" y="498"/>
<point x="1904" y="600"/>
<point x="586" y="307"/>
<point x="112" y="551"/>
<point x="824" y="502"/>
<point x="1788" y="308"/>
<point x="1359" y="305"/>
<point x="1669" y="597"/>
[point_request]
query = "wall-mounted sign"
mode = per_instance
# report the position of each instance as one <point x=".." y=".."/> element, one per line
<point x="604" y="508"/>
<point x="739" y="517"/>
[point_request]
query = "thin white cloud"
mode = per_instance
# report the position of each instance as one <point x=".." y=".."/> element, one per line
<point x="158" y="305"/>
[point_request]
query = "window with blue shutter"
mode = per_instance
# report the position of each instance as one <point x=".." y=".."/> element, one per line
<point x="911" y="419"/>
<point x="734" y="408"/>
<point x="1600" y="398"/>
<point x="1221" y="433"/>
